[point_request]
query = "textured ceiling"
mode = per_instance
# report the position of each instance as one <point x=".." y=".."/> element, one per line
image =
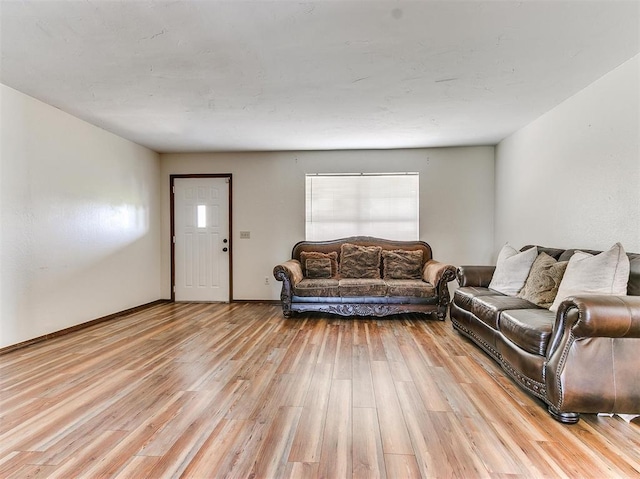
<point x="284" y="75"/>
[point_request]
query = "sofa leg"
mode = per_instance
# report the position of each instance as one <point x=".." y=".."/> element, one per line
<point x="441" y="315"/>
<point x="564" y="417"/>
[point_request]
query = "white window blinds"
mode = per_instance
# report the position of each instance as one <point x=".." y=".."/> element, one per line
<point x="381" y="205"/>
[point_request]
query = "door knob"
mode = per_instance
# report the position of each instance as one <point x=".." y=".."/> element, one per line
<point x="224" y="240"/>
<point x="224" y="249"/>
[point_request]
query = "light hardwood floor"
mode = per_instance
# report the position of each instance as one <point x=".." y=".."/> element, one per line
<point x="215" y="390"/>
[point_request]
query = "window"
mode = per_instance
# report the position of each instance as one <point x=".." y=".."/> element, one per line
<point x="202" y="216"/>
<point x="384" y="205"/>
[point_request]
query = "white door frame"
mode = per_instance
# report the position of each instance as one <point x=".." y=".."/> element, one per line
<point x="173" y="230"/>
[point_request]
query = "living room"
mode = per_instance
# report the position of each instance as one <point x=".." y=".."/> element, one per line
<point x="86" y="230"/>
<point x="472" y="201"/>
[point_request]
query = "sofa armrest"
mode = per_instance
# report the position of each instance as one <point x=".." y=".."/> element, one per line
<point x="434" y="272"/>
<point x="439" y="274"/>
<point x="597" y="316"/>
<point x="592" y="359"/>
<point x="289" y="272"/>
<point x="479" y="276"/>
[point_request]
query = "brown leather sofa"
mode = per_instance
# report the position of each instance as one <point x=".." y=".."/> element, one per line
<point x="426" y="293"/>
<point x="583" y="359"/>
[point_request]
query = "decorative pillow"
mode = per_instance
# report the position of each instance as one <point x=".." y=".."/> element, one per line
<point x="543" y="281"/>
<point x="317" y="268"/>
<point x="512" y="269"/>
<point x="401" y="264"/>
<point x="333" y="257"/>
<point x="604" y="273"/>
<point x="360" y="261"/>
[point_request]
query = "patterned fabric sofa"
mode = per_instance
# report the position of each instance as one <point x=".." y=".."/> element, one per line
<point x="577" y="352"/>
<point x="364" y="276"/>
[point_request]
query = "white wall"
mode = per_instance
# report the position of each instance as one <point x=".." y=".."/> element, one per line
<point x="456" y="203"/>
<point x="572" y="177"/>
<point x="80" y="221"/>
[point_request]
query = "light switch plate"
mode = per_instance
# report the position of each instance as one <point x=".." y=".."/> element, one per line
<point x="245" y="234"/>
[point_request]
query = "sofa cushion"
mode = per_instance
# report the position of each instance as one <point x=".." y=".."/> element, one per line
<point x="463" y="297"/>
<point x="543" y="281"/>
<point x="512" y="269"/>
<point x="410" y="287"/>
<point x="605" y="273"/>
<point x="487" y="308"/>
<point x="333" y="257"/>
<point x="362" y="287"/>
<point x="317" y="287"/>
<point x="317" y="268"/>
<point x="360" y="261"/>
<point x="529" y="329"/>
<point x="402" y="264"/>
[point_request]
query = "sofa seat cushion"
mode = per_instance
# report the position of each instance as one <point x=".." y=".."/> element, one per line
<point x="362" y="287"/>
<point x="529" y="329"/>
<point x="488" y="308"/>
<point x="317" y="287"/>
<point x="463" y="297"/>
<point x="410" y="287"/>
<point x="365" y="300"/>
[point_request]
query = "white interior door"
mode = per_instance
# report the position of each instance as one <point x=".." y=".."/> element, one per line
<point x="201" y="226"/>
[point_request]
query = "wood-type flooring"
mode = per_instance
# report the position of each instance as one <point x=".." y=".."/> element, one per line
<point x="237" y="390"/>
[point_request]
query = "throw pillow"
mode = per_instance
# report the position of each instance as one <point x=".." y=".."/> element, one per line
<point x="605" y="273"/>
<point x="401" y="264"/>
<point x="543" y="281"/>
<point x="318" y="268"/>
<point x="333" y="257"/>
<point x="360" y="261"/>
<point x="512" y="269"/>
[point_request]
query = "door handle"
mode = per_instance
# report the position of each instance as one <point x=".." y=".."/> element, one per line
<point x="224" y="249"/>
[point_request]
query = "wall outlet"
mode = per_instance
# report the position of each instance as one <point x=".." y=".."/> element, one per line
<point x="266" y="280"/>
